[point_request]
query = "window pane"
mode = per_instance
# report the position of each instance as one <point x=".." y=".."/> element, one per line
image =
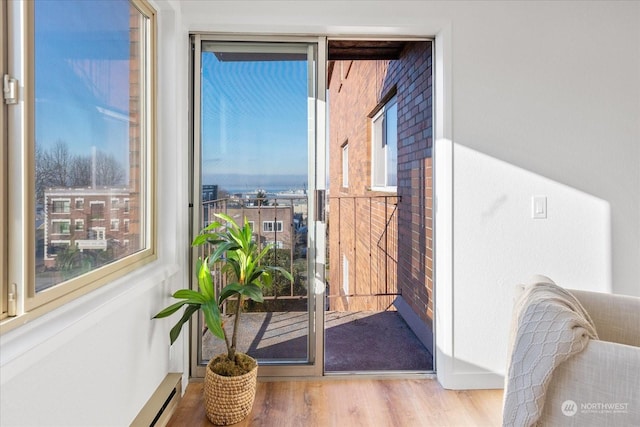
<point x="89" y="139"/>
<point x="391" y="138"/>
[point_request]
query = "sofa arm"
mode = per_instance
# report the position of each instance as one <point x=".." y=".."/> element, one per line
<point x="613" y="316"/>
<point x="602" y="384"/>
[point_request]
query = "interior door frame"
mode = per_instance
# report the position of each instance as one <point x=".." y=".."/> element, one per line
<point x="314" y="367"/>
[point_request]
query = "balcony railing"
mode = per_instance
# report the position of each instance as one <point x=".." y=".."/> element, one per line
<point x="362" y="231"/>
<point x="363" y="246"/>
<point x="281" y="221"/>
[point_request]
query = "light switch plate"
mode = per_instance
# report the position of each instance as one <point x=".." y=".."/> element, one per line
<point x="539" y="207"/>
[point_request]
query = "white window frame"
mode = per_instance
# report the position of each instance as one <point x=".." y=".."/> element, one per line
<point x="276" y="226"/>
<point x="77" y="222"/>
<point x="380" y="151"/>
<point x="97" y="202"/>
<point x="114" y="225"/>
<point x="345" y="165"/>
<point x="16" y="187"/>
<point x="4" y="245"/>
<point x="58" y="199"/>
<point x="76" y="201"/>
<point x="61" y="221"/>
<point x="277" y="244"/>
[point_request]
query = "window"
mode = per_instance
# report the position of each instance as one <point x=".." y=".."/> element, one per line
<point x="60" y="206"/>
<point x="60" y="226"/>
<point x="97" y="210"/>
<point x="384" y="147"/>
<point x="277" y="244"/>
<point x="271" y="226"/>
<point x="88" y="104"/>
<point x="345" y="165"/>
<point x="125" y="225"/>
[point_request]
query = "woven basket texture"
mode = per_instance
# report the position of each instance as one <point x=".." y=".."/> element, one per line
<point x="229" y="400"/>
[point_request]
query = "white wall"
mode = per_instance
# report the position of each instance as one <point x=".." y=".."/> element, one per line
<point x="97" y="360"/>
<point x="535" y="98"/>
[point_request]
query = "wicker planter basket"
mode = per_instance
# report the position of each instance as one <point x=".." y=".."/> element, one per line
<point x="228" y="400"/>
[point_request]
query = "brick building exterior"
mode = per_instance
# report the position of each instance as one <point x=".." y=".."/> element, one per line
<point x="92" y="220"/>
<point x="381" y="241"/>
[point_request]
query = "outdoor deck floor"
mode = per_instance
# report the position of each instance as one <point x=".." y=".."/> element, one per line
<point x="354" y="341"/>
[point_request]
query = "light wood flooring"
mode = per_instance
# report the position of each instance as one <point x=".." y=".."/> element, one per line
<point x="359" y="402"/>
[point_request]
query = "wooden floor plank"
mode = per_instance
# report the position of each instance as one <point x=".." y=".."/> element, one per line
<point x="358" y="402"/>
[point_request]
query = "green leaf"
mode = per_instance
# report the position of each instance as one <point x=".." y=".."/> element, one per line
<point x="175" y="331"/>
<point x="228" y="219"/>
<point x="212" y="319"/>
<point x="229" y="291"/>
<point x="253" y="292"/>
<point x="170" y="310"/>
<point x="189" y="294"/>
<point x="205" y="282"/>
<point x="284" y="272"/>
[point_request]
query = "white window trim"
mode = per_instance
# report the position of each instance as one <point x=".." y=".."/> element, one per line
<point x="345" y="165"/>
<point x="278" y="226"/>
<point x="61" y="221"/>
<point x="375" y="160"/>
<point x="58" y="199"/>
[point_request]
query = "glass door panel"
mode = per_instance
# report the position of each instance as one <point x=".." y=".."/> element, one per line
<point x="253" y="158"/>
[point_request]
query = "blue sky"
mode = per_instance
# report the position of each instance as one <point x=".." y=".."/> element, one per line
<point x="81" y="70"/>
<point x="254" y="113"/>
<point x="254" y="123"/>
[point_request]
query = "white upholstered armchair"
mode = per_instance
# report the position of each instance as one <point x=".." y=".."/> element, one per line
<point x="603" y="380"/>
<point x="562" y="372"/>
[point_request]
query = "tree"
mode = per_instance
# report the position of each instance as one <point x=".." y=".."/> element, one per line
<point x="261" y="198"/>
<point x="109" y="172"/>
<point x="57" y="167"/>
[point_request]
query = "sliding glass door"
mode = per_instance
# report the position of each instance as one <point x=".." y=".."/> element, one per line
<point x="258" y="129"/>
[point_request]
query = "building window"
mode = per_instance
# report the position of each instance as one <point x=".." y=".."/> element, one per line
<point x="115" y="224"/>
<point x="277" y="244"/>
<point x="60" y="206"/>
<point x="97" y="210"/>
<point x="384" y="147"/>
<point x="125" y="225"/>
<point x="271" y="226"/>
<point x="89" y="105"/>
<point x="345" y="165"/>
<point x="60" y="226"/>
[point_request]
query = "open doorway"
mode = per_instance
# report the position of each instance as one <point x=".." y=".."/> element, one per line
<point x="379" y="314"/>
<point x="263" y="101"/>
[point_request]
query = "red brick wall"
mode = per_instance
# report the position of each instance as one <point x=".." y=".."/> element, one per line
<point x="358" y="218"/>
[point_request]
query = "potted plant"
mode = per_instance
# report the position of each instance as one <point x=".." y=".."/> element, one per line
<point x="230" y="379"/>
